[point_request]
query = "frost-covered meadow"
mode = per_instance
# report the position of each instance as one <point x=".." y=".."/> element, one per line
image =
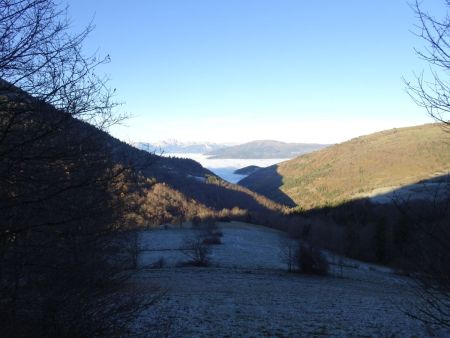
<point x="246" y="292"/>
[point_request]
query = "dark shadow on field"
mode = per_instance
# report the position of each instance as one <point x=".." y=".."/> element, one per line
<point x="386" y="228"/>
<point x="267" y="182"/>
<point x="425" y="192"/>
<point x="433" y="190"/>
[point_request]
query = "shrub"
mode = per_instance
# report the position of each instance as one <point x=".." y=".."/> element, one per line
<point x="212" y="240"/>
<point x="288" y="251"/>
<point x="197" y="251"/>
<point x="312" y="261"/>
<point x="212" y="233"/>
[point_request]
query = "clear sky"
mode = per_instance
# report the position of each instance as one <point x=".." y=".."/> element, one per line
<point x="239" y="70"/>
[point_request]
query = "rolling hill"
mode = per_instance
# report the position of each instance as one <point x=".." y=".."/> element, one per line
<point x="265" y="149"/>
<point x="381" y="161"/>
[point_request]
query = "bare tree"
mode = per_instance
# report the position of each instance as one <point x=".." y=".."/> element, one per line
<point x="430" y="257"/>
<point x="39" y="55"/>
<point x="195" y="248"/>
<point x="289" y="252"/>
<point x="311" y="260"/>
<point x="431" y="90"/>
<point x="60" y="209"/>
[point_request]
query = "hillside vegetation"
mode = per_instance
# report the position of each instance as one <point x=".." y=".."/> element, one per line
<point x="265" y="149"/>
<point x="357" y="168"/>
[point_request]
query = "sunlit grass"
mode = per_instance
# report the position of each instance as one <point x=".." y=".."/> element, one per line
<point x="355" y="168"/>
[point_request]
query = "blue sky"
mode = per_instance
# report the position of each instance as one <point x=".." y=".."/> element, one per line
<point x="238" y="70"/>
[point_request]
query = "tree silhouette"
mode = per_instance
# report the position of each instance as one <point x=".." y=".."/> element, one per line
<point x="431" y="90"/>
<point x="429" y="260"/>
<point x="61" y="266"/>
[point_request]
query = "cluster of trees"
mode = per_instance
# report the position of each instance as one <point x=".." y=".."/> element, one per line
<point x="153" y="204"/>
<point x="363" y="230"/>
<point x="302" y="257"/>
<point x="62" y="262"/>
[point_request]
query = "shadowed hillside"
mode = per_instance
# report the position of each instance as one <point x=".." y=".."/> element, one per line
<point x="185" y="179"/>
<point x="357" y="168"/>
<point x="192" y="181"/>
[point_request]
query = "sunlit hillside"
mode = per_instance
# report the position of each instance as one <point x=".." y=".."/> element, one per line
<point x="356" y="168"/>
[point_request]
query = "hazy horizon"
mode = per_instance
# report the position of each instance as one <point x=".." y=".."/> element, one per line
<point x="230" y="141"/>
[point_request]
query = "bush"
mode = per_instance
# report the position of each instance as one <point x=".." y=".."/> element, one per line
<point x="312" y="261"/>
<point x="289" y="249"/>
<point x="197" y="251"/>
<point x="212" y="233"/>
<point x="212" y="240"/>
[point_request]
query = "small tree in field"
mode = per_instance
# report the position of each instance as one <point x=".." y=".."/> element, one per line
<point x="288" y="252"/>
<point x="195" y="248"/>
<point x="311" y="260"/>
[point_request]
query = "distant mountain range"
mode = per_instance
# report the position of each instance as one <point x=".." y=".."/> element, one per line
<point x="265" y="149"/>
<point x="175" y="146"/>
<point x="361" y="167"/>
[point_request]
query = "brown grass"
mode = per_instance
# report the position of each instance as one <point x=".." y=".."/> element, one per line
<point x="355" y="168"/>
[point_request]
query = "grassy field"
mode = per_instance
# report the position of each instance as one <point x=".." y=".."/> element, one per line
<point x="246" y="292"/>
<point x="356" y="168"/>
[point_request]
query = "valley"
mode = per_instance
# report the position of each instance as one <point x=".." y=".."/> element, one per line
<point x="225" y="168"/>
<point x="224" y="159"/>
<point x="211" y="254"/>
<point x="261" y="172"/>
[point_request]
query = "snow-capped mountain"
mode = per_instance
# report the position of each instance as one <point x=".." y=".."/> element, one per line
<point x="176" y="146"/>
